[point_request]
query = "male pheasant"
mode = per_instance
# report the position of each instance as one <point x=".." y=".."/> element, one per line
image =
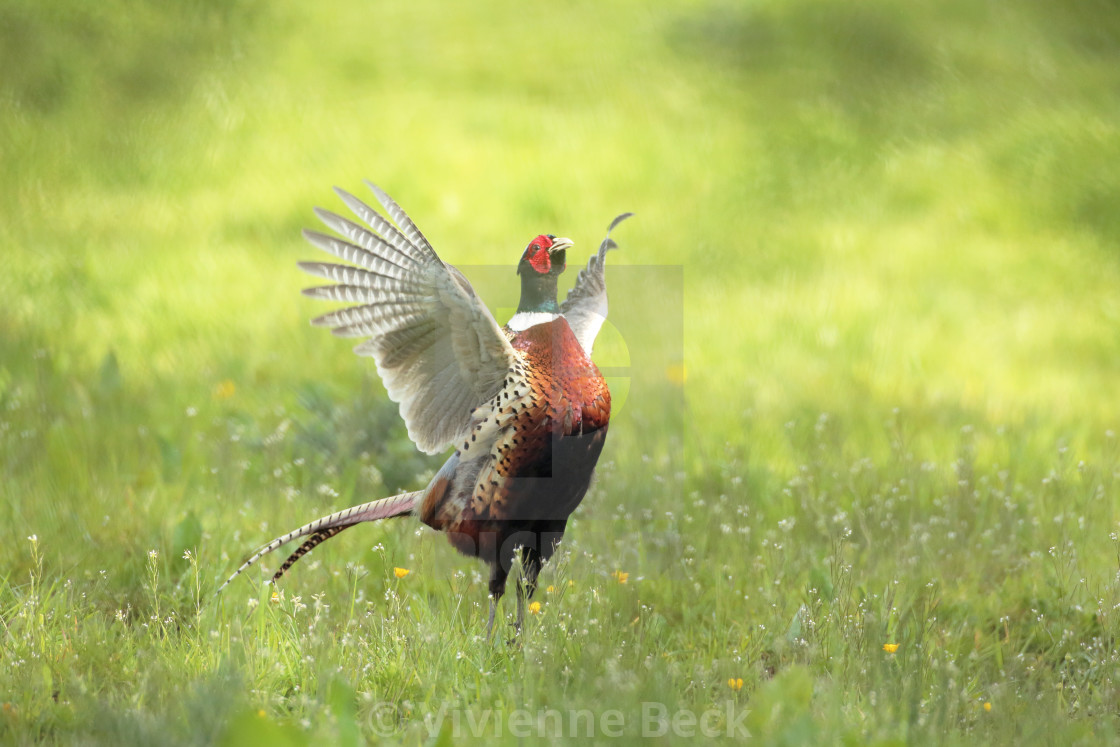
<point x="523" y="405"/>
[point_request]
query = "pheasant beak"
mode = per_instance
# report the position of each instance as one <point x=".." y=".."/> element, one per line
<point x="560" y="244"/>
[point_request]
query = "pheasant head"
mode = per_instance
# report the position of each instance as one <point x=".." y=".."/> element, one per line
<point x="541" y="265"/>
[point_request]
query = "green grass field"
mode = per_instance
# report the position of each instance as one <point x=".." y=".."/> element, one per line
<point x="862" y="484"/>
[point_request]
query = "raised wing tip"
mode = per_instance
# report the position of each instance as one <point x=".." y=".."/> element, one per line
<point x="382" y="196"/>
<point x="608" y="242"/>
<point x="618" y="220"/>
<point x="327" y="216"/>
<point x="318" y="269"/>
<point x="320" y="240"/>
<point x="353" y="203"/>
<point x="318" y="291"/>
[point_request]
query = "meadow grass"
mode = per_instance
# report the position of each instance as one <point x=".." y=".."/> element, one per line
<point x="861" y="483"/>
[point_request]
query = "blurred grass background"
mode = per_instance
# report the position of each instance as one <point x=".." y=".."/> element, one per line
<point x="897" y="228"/>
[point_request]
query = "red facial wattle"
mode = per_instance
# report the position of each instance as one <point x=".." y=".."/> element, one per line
<point x="540" y="261"/>
<point x="538" y="255"/>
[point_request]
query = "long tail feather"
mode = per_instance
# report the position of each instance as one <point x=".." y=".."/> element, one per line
<point x="328" y="526"/>
<point x="309" y="544"/>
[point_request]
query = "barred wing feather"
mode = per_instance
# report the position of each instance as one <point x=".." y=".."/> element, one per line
<point x="436" y="345"/>
<point x="585" y="308"/>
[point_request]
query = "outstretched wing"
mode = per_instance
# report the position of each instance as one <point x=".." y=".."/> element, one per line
<point x="585" y="308"/>
<point x="436" y="345"/>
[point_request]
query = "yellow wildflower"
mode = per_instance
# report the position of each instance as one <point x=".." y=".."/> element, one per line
<point x="735" y="683"/>
<point x="987" y="706"/>
<point x="275" y="597"/>
<point x="676" y="373"/>
<point x="535" y="608"/>
<point x="550" y="588"/>
<point x="225" y="389"/>
<point x="622" y="576"/>
<point x="890" y="648"/>
<point x="401" y="572"/>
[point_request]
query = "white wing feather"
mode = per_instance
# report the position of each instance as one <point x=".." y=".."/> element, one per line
<point x="585" y="308"/>
<point x="436" y="345"/>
